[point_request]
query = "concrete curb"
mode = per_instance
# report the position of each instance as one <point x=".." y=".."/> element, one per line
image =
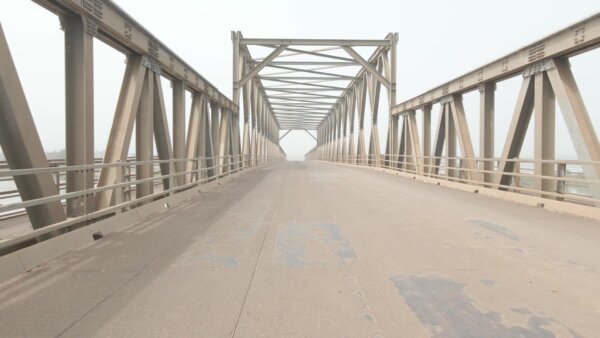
<point x="22" y="261"/>
<point x="548" y="204"/>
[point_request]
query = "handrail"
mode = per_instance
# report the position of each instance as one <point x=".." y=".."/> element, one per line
<point x="568" y="187"/>
<point x="226" y="165"/>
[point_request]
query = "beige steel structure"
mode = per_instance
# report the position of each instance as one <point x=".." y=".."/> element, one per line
<point x="314" y="89"/>
<point x="212" y="145"/>
<point x="547" y="79"/>
<point x="352" y="250"/>
<point x="321" y="85"/>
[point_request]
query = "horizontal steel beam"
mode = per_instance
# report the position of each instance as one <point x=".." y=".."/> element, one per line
<point x="300" y="98"/>
<point x="318" y="54"/>
<point x="304" y="110"/>
<point x="303" y="102"/>
<point x="568" y="41"/>
<point x="299" y="109"/>
<point x="310" y="126"/>
<point x="303" y="127"/>
<point x="118" y="29"/>
<point x="283" y="120"/>
<point x="306" y="52"/>
<point x="305" y="89"/>
<point x="310" y="95"/>
<point x="291" y="53"/>
<point x="297" y="99"/>
<point x="323" y="78"/>
<point x="299" y="123"/>
<point x="314" y="42"/>
<point x="309" y="118"/>
<point x="300" y="104"/>
<point x="298" y="117"/>
<point x="314" y="63"/>
<point x="307" y="84"/>
<point x="287" y="120"/>
<point x="309" y="71"/>
<point x="299" y="114"/>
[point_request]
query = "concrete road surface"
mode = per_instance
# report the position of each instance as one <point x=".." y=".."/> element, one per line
<point x="318" y="250"/>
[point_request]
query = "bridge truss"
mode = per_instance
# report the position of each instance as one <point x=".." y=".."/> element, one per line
<point x="306" y="84"/>
<point x="61" y="195"/>
<point x="547" y="79"/>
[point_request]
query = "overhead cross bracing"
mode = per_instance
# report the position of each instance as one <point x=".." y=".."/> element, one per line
<point x="300" y="83"/>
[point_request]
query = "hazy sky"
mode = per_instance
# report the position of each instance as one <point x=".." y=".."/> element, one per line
<point x="438" y="41"/>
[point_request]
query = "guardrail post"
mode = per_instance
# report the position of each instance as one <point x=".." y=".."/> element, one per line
<point x="126" y="172"/>
<point x="119" y="190"/>
<point x="561" y="171"/>
<point x="172" y="179"/>
<point x="517" y="174"/>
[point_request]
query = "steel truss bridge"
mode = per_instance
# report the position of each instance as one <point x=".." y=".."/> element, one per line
<point x="218" y="235"/>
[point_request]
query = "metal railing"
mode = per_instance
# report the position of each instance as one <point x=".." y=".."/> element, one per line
<point x="204" y="170"/>
<point x="567" y="183"/>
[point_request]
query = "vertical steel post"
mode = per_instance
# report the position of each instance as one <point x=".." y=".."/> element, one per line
<point x="351" y="117"/>
<point x="544" y="133"/>
<point x="450" y="142"/>
<point x="214" y="130"/>
<point x="79" y="104"/>
<point x="179" y="127"/>
<point x="393" y="120"/>
<point x="232" y="117"/>
<point x="224" y="141"/>
<point x="247" y="124"/>
<point x="144" y="132"/>
<point x="426" y="135"/>
<point x="486" y="130"/>
<point x="203" y="141"/>
<point x="361" y="98"/>
<point x="234" y="147"/>
<point x="162" y="136"/>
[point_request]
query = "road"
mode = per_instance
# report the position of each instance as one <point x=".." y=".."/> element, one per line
<point x="308" y="249"/>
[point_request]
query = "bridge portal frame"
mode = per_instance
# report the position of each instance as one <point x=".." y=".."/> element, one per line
<point x="301" y="102"/>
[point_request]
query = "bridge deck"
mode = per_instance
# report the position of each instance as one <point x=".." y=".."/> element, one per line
<point x="313" y="249"/>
